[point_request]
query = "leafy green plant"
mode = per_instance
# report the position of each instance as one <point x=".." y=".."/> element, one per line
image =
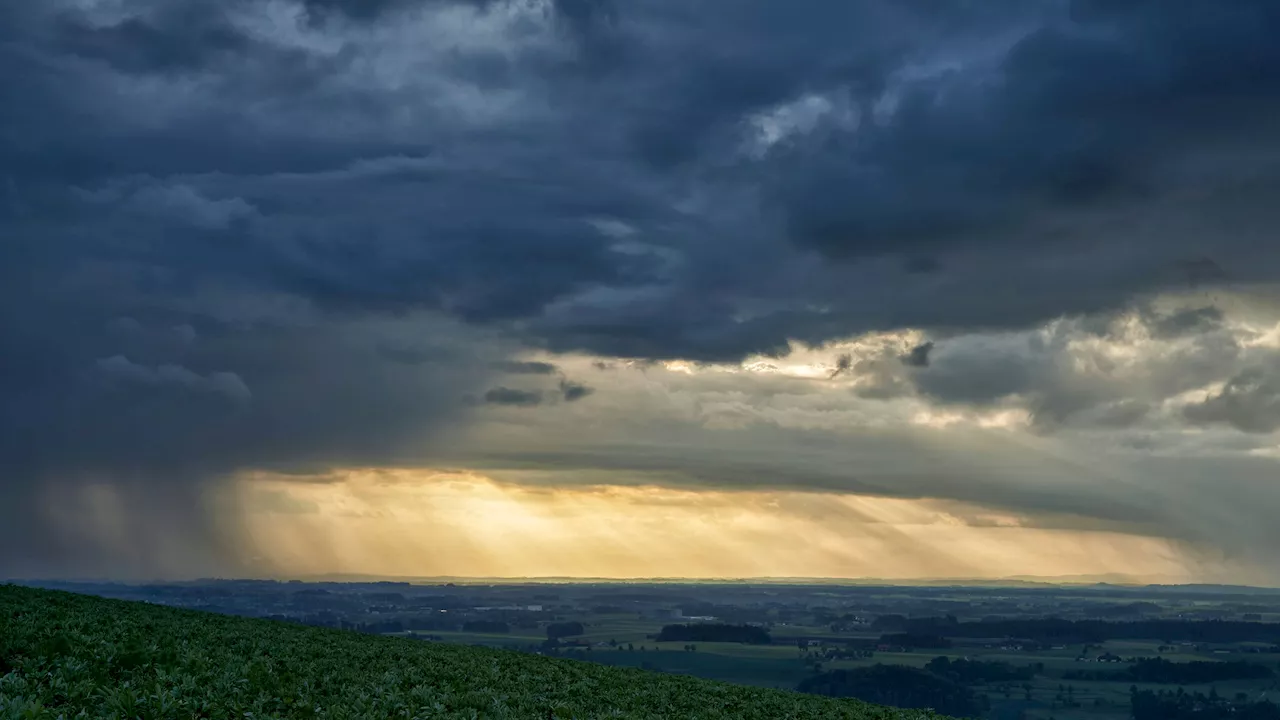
<point x="66" y="656"/>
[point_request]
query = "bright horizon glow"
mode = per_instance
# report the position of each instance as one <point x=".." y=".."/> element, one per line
<point x="420" y="523"/>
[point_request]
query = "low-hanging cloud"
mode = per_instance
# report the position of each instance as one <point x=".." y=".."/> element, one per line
<point x="573" y="391"/>
<point x="119" y="368"/>
<point x="527" y="367"/>
<point x="513" y="396"/>
<point x="1249" y="401"/>
<point x="919" y="355"/>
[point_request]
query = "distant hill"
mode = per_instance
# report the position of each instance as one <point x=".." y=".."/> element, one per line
<point x="62" y="654"/>
<point x="1104" y="582"/>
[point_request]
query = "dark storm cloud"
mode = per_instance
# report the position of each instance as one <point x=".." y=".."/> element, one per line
<point x="162" y="432"/>
<point x="1249" y="402"/>
<point x="361" y="9"/>
<point x="1074" y="116"/>
<point x="120" y="369"/>
<point x="986" y="474"/>
<point x="181" y="37"/>
<point x="577" y="11"/>
<point x="1191" y="321"/>
<point x="844" y="362"/>
<point x="986" y="140"/>
<point x="1109" y="372"/>
<point x="1028" y="156"/>
<point x="572" y="391"/>
<point x="982" y="375"/>
<point x="527" y="367"/>
<point x="567" y="390"/>
<point x="513" y="397"/>
<point x="919" y="355"/>
<point x="417" y="355"/>
<point x="334" y="196"/>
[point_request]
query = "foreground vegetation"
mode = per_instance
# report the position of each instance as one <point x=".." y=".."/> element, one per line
<point x="76" y="656"/>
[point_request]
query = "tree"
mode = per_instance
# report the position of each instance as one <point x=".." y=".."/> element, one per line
<point x="897" y="685"/>
<point x="715" y="632"/>
<point x="555" y="631"/>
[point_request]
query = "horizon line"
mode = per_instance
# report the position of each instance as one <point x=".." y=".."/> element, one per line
<point x="1113" y="580"/>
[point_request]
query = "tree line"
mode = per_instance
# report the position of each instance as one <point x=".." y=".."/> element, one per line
<point x="486" y="626"/>
<point x="978" y="672"/>
<point x="910" y="640"/>
<point x="715" y="632"/>
<point x="1097" y="631"/>
<point x="898" y="686"/>
<point x="1159" y="670"/>
<point x="1148" y="705"/>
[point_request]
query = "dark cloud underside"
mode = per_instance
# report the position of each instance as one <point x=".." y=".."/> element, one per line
<point x="513" y="396"/>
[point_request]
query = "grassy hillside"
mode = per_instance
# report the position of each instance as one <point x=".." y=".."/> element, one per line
<point x="76" y="656"/>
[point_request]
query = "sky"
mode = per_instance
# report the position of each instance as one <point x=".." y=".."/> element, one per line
<point x="735" y="288"/>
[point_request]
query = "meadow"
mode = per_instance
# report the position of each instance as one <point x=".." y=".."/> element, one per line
<point x="782" y="665"/>
<point x="64" y="655"/>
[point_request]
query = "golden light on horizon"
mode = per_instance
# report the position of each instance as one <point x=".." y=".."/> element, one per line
<point x="425" y="523"/>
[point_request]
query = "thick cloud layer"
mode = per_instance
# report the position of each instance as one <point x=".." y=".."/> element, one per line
<point x="298" y="233"/>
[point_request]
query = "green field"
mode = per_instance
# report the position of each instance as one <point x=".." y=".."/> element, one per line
<point x="75" y="656"/>
<point x="782" y="665"/>
<point x="1096" y="700"/>
<point x="769" y="666"/>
